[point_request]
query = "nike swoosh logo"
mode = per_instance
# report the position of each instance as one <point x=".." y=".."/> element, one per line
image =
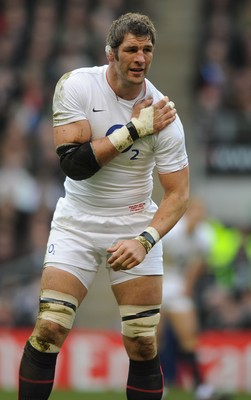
<point x="97" y="110"/>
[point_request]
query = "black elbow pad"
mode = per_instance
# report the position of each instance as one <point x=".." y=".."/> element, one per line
<point x="77" y="160"/>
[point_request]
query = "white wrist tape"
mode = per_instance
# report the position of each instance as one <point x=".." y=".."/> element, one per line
<point x="137" y="127"/>
<point x="153" y="232"/>
<point x="144" y="122"/>
<point x="148" y="238"/>
<point x="121" y="139"/>
<point x="145" y="243"/>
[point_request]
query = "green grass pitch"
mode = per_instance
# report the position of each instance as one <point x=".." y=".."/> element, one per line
<point x="174" y="394"/>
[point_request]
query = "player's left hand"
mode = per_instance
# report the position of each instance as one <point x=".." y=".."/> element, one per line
<point x="126" y="254"/>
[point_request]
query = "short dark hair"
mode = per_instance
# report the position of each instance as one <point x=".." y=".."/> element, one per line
<point x="135" y="23"/>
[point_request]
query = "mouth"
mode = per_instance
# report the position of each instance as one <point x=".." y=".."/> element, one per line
<point x="137" y="71"/>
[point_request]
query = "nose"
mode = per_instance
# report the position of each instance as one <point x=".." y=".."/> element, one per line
<point x="140" y="57"/>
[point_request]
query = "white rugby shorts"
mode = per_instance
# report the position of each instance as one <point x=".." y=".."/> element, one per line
<point x="78" y="240"/>
<point x="174" y="298"/>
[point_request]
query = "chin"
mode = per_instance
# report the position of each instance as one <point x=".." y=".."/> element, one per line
<point x="137" y="81"/>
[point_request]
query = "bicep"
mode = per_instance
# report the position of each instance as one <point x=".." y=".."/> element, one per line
<point x="75" y="132"/>
<point x="176" y="183"/>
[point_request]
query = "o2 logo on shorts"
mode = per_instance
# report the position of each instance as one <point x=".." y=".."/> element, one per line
<point x="135" y="151"/>
<point x="51" y="249"/>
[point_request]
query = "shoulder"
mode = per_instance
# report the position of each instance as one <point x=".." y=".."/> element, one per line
<point x="80" y="76"/>
<point x="172" y="135"/>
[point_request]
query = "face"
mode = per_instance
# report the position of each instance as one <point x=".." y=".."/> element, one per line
<point x="133" y="59"/>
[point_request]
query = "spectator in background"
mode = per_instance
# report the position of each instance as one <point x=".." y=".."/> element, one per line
<point x="224" y="81"/>
<point x="226" y="301"/>
<point x="185" y="249"/>
<point x="39" y="41"/>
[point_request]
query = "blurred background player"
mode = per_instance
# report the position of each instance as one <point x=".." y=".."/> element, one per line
<point x="185" y="250"/>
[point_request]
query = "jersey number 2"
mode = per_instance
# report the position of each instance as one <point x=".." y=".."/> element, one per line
<point x="135" y="155"/>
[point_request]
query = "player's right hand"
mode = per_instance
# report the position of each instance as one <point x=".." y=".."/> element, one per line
<point x="149" y="119"/>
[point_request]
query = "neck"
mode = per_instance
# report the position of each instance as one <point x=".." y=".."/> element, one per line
<point x="124" y="90"/>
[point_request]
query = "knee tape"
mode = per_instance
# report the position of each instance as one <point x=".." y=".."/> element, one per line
<point x="57" y="307"/>
<point x="139" y="320"/>
<point x="43" y="346"/>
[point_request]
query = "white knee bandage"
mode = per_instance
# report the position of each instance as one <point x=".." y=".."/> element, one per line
<point x="139" y="320"/>
<point x="58" y="307"/>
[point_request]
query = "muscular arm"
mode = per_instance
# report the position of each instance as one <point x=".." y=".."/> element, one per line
<point x="80" y="132"/>
<point x="126" y="254"/>
<point x="174" y="201"/>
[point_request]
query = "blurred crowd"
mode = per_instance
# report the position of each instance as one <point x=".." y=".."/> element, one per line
<point x="223" y="121"/>
<point x="223" y="85"/>
<point x="41" y="40"/>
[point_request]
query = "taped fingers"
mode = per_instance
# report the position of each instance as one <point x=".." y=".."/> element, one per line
<point x="164" y="107"/>
<point x="165" y="102"/>
<point x="139" y="320"/>
<point x="163" y="117"/>
<point x="171" y="105"/>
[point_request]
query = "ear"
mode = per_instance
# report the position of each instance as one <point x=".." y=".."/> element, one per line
<point x="109" y="53"/>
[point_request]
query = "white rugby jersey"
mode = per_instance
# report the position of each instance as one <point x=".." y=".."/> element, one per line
<point x="85" y="94"/>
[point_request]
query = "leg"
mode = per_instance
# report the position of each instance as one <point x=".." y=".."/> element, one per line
<point x="167" y="346"/>
<point x="139" y="301"/>
<point x="61" y="293"/>
<point x="185" y="326"/>
<point x="186" y="329"/>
